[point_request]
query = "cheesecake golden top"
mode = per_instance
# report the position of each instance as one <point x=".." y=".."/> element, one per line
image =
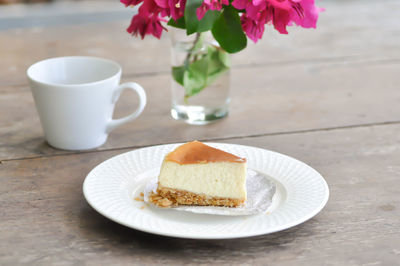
<point x="198" y="152"/>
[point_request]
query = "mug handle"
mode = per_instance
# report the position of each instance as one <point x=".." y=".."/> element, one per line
<point x="114" y="123"/>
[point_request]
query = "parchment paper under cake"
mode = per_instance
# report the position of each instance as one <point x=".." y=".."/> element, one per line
<point x="260" y="192"/>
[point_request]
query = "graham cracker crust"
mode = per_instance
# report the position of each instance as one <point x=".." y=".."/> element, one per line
<point x="168" y="197"/>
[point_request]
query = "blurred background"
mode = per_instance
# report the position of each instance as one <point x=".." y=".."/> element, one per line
<point x="344" y="73"/>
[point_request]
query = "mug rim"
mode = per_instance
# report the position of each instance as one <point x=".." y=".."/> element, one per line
<point x="29" y="70"/>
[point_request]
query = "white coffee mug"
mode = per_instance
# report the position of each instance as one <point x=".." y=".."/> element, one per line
<point x="75" y="97"/>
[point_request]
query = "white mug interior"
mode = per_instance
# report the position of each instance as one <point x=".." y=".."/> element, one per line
<point x="73" y="70"/>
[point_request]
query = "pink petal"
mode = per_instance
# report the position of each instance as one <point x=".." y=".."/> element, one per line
<point x="225" y="2"/>
<point x="137" y="26"/>
<point x="254" y="29"/>
<point x="310" y="12"/>
<point x="176" y="7"/>
<point x="240" y="4"/>
<point x="258" y="2"/>
<point x="281" y="4"/>
<point x="149" y="7"/>
<point x="131" y="2"/>
<point x="162" y="3"/>
<point x="201" y="10"/>
<point x="253" y="11"/>
<point x="280" y="20"/>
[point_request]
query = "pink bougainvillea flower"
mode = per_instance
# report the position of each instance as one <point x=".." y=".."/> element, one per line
<point x="255" y="8"/>
<point x="149" y="17"/>
<point x="254" y="19"/>
<point x="202" y="10"/>
<point x="283" y="12"/>
<point x="145" y="25"/>
<point x="279" y="17"/>
<point x="216" y="4"/>
<point x="240" y="4"/>
<point x="210" y="4"/>
<point x="309" y="15"/>
<point x="280" y="13"/>
<point x="254" y="28"/>
<point x="147" y="21"/>
<point x="172" y="8"/>
<point x="149" y="7"/>
<point x="138" y="26"/>
<point x="252" y="7"/>
<point x="131" y="2"/>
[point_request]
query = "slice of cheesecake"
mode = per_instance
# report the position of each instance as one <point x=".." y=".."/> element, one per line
<point x="197" y="174"/>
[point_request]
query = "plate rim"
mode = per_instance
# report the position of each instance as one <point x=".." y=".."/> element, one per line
<point x="234" y="235"/>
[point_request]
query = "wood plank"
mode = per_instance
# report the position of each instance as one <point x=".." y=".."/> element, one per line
<point x="45" y="220"/>
<point x="343" y="35"/>
<point x="264" y="101"/>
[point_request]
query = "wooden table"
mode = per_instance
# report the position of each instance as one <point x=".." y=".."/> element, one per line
<point x="329" y="97"/>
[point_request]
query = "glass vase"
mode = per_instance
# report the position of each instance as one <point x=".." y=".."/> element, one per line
<point x="200" y="78"/>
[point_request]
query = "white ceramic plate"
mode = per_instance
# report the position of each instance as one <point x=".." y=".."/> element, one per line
<point x="110" y="188"/>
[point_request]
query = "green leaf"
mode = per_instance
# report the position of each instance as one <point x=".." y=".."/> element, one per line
<point x="192" y="23"/>
<point x="179" y="23"/>
<point x="207" y="22"/>
<point x="224" y="58"/>
<point x="201" y="68"/>
<point x="228" y="32"/>
<point x="204" y="71"/>
<point x="194" y="79"/>
<point x="177" y="74"/>
<point x="214" y="62"/>
<point x="216" y="66"/>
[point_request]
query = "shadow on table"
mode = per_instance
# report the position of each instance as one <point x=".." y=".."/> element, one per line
<point x="95" y="227"/>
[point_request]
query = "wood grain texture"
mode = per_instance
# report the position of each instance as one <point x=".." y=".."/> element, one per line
<point x="264" y="101"/>
<point x="336" y="76"/>
<point x="44" y="218"/>
<point x="344" y="75"/>
<point x="357" y="30"/>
